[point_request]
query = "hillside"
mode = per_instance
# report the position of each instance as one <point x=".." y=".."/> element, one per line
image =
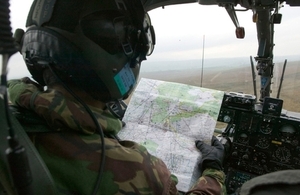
<point x="238" y="79"/>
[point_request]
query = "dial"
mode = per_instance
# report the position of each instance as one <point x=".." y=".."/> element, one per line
<point x="296" y="161"/>
<point x="287" y="132"/>
<point x="260" y="157"/>
<point x="266" y="128"/>
<point x="226" y="119"/>
<point x="243" y="138"/>
<point x="263" y="142"/>
<point x="282" y="154"/>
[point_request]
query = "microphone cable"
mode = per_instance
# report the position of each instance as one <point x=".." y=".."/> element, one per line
<point x="99" y="129"/>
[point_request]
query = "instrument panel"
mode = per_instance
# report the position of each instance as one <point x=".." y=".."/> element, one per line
<point x="260" y="143"/>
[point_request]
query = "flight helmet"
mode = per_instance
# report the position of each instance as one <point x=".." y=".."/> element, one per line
<point x="96" y="45"/>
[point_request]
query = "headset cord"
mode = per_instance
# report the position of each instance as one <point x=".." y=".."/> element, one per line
<point x="99" y="129"/>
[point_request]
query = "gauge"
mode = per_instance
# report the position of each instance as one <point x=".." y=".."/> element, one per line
<point x="260" y="157"/>
<point x="266" y="128"/>
<point x="296" y="161"/>
<point x="287" y="132"/>
<point x="243" y="138"/>
<point x="282" y="154"/>
<point x="295" y="142"/>
<point x="226" y="119"/>
<point x="263" y="142"/>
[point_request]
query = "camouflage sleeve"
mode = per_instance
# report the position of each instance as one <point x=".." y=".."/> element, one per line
<point x="73" y="154"/>
<point x="59" y="111"/>
<point x="211" y="182"/>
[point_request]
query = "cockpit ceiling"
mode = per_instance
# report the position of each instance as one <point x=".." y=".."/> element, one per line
<point x="152" y="4"/>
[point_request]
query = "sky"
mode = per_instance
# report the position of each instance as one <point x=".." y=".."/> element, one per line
<point x="182" y="31"/>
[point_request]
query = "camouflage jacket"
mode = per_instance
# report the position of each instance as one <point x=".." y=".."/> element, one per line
<point x="71" y="149"/>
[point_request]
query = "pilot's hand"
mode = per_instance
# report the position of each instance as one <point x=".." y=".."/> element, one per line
<point x="212" y="155"/>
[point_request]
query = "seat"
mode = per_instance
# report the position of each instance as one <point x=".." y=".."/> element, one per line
<point x="42" y="182"/>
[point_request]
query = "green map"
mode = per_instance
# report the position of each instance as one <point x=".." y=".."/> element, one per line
<point x="167" y="118"/>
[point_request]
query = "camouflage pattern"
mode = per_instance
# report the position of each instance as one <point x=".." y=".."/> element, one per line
<point x="211" y="182"/>
<point x="72" y="150"/>
<point x="58" y="111"/>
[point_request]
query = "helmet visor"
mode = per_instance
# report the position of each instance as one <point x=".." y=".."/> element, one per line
<point x="114" y="32"/>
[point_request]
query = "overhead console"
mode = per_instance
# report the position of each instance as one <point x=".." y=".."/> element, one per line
<point x="263" y="138"/>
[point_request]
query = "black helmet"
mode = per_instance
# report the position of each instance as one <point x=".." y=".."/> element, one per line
<point x="97" y="45"/>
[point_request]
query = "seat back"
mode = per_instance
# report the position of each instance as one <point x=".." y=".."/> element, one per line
<point x="42" y="182"/>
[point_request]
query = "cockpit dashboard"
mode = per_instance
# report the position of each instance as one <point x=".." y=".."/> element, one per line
<point x="263" y="138"/>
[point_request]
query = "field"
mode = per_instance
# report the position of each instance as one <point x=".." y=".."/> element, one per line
<point x="239" y="80"/>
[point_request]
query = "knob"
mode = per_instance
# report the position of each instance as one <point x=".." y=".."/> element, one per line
<point x="226" y="119"/>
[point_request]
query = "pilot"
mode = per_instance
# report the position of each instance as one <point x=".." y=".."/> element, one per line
<point x="83" y="55"/>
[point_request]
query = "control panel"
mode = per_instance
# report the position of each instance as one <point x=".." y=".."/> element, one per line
<point x="263" y="139"/>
